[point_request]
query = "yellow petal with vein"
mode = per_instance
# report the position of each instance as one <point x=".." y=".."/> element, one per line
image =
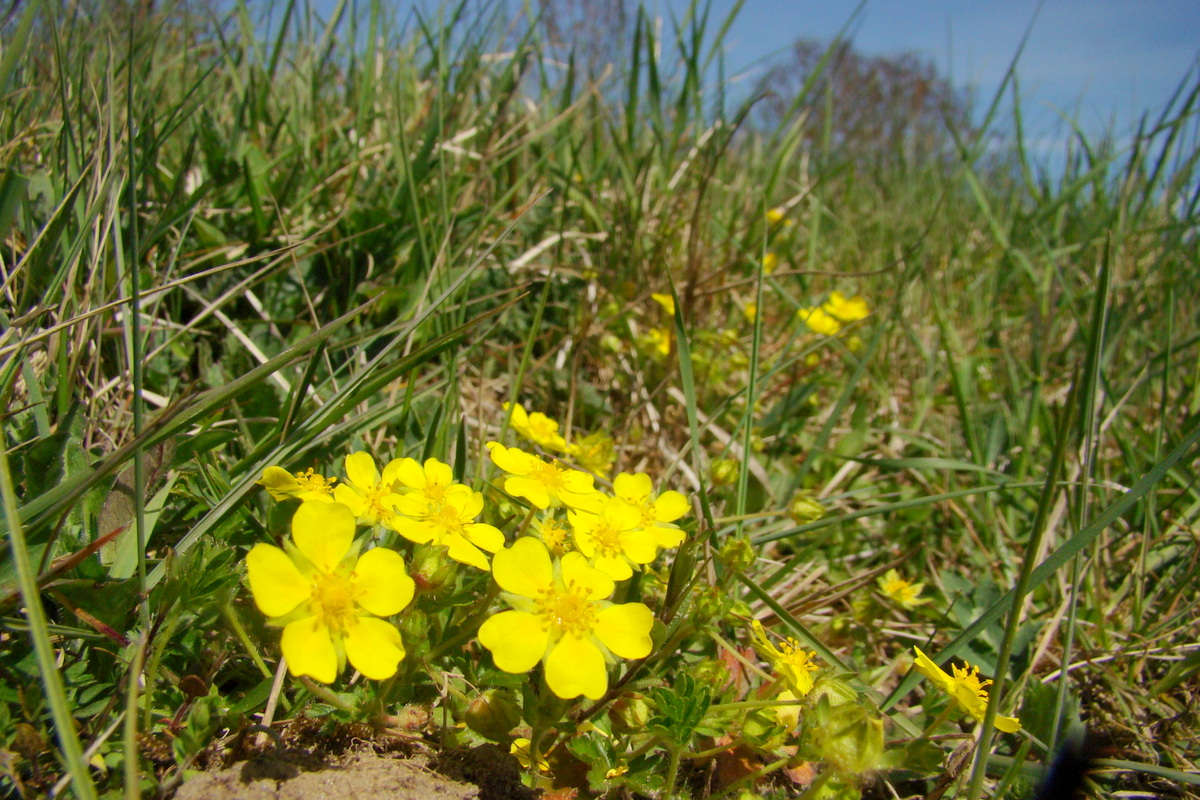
<point x="374" y="647"/>
<point x="524" y="568"/>
<point x="309" y="651"/>
<point x="516" y="639"/>
<point x="381" y="583"/>
<point x="576" y="667"/>
<point x="276" y="583"/>
<point x="625" y="629"/>
<point x="323" y="533"/>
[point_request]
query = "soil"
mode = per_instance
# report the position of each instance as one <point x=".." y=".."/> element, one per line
<point x="353" y="775"/>
<point x="311" y="762"/>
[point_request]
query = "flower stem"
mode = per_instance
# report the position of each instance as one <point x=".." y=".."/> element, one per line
<point x="326" y="695"/>
<point x="672" y="768"/>
<point x="471" y="626"/>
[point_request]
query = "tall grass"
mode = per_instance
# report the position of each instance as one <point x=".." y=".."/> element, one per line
<point x="225" y="249"/>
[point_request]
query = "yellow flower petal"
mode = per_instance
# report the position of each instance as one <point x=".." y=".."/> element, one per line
<point x="846" y="309"/>
<point x="409" y="473"/>
<point x="280" y="483"/>
<point x="819" y="321"/>
<point x="391" y="474"/>
<point x="414" y="530"/>
<point x="925" y="665"/>
<point x="380" y="582"/>
<point x="309" y="650"/>
<point x="360" y="469"/>
<point x="666" y="537"/>
<point x="666" y="301"/>
<point x="487" y="537"/>
<point x="625" y="629"/>
<point x="276" y="583"/>
<point x="510" y="459"/>
<point x="524" y="568"/>
<point x="516" y="639"/>
<point x="635" y="488"/>
<point x="576" y="667"/>
<point x="1008" y="724"/>
<point x="373" y="646"/>
<point x="577" y="571"/>
<point x="532" y="490"/>
<point x="323" y="532"/>
<point x="670" y="506"/>
<point x="462" y="551"/>
<point x="345" y="494"/>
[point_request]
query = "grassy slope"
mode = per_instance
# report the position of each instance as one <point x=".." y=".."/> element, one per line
<point x="342" y="248"/>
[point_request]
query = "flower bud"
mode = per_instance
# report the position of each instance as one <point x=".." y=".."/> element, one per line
<point x="724" y="471"/>
<point x="493" y="714"/>
<point x="804" y="509"/>
<point x="737" y="554"/>
<point x="630" y="713"/>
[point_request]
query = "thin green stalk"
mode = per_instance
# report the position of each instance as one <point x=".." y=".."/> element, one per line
<point x="132" y="765"/>
<point x="134" y="282"/>
<point x="1024" y="582"/>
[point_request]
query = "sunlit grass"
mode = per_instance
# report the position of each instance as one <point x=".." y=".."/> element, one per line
<point x="226" y="252"/>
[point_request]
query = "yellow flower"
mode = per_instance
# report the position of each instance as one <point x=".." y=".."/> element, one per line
<point x="666" y="301"/>
<point x="536" y="427"/>
<point x="819" y="321"/>
<point x="594" y="452"/>
<point x="846" y="309"/>
<point x="789" y="660"/>
<point x="657" y="341"/>
<point x="658" y="512"/>
<point x="369" y="495"/>
<point x="769" y="262"/>
<point x="613" y="539"/>
<point x="543" y="483"/>
<point x="901" y="592"/>
<point x="328" y="599"/>
<point x="750" y="312"/>
<point x="452" y="526"/>
<point x="306" y="485"/>
<point x="966" y="689"/>
<point x="774" y="215"/>
<point x="553" y="533"/>
<point x="422" y="488"/>
<point x="520" y="749"/>
<point x="561" y="616"/>
<point x="788" y="714"/>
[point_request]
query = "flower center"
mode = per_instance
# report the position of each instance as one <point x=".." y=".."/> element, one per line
<point x="374" y="497"/>
<point x="794" y="656"/>
<point x="446" y="522"/>
<point x="311" y="482"/>
<point x="333" y="601"/>
<point x="547" y="474"/>
<point x="435" y="495"/>
<point x="568" y="610"/>
<point x="649" y="515"/>
<point x="554" y="534"/>
<point x="968" y="679"/>
<point x="608" y="539"/>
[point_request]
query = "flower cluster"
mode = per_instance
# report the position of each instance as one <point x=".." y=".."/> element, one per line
<point x="828" y="318"/>
<point x="594" y="452"/>
<point x="332" y="599"/>
<point x="558" y="580"/>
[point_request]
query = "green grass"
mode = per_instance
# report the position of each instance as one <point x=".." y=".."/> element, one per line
<point x="225" y="250"/>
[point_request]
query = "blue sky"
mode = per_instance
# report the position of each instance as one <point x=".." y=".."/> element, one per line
<point x="1101" y="62"/>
